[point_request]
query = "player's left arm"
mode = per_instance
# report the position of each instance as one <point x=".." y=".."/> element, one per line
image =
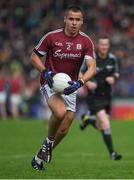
<point x="91" y="85"/>
<point x="90" y="72"/>
<point x="74" y="85"/>
<point x="88" y="68"/>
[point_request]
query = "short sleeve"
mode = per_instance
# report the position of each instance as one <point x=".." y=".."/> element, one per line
<point x="89" y="49"/>
<point x="43" y="45"/>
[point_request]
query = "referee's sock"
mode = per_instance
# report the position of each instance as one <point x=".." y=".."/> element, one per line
<point x="106" y="133"/>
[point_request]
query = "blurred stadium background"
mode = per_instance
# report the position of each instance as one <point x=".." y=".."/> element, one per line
<point x="22" y="24"/>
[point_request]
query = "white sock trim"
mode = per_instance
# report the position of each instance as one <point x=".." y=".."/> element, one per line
<point x="38" y="160"/>
<point x="49" y="141"/>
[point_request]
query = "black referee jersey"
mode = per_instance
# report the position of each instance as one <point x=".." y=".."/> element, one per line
<point x="104" y="68"/>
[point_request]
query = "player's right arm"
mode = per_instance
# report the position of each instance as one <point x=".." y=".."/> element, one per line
<point x="36" y="61"/>
<point x="40" y="51"/>
<point x="46" y="73"/>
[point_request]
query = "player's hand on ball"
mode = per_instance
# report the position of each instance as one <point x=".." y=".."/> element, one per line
<point x="48" y="76"/>
<point x="74" y="85"/>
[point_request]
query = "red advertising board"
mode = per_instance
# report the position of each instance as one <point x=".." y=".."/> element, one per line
<point x="123" y="110"/>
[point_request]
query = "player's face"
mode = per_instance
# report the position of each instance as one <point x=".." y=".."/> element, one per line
<point x="103" y="46"/>
<point x="73" y="23"/>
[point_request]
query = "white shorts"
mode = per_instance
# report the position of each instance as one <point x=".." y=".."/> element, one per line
<point x="70" y="100"/>
<point x="2" y="97"/>
<point x="15" y="99"/>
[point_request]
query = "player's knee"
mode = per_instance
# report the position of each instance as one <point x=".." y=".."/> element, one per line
<point x="60" y="114"/>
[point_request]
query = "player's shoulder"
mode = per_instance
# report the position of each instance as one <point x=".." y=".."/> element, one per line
<point x="54" y="32"/>
<point x="86" y="37"/>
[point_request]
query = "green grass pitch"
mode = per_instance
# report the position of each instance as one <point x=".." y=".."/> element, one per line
<point x="81" y="155"/>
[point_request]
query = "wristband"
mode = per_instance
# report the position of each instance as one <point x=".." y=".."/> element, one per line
<point x="82" y="81"/>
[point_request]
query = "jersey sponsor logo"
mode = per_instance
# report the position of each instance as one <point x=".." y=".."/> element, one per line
<point x="78" y="46"/>
<point x="62" y="55"/>
<point x="58" y="44"/>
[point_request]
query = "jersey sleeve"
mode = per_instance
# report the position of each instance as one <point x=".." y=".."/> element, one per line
<point x="89" y="54"/>
<point x="89" y="50"/>
<point x="43" y="46"/>
<point x="116" y="65"/>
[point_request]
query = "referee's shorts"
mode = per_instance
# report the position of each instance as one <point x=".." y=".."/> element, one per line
<point x="99" y="102"/>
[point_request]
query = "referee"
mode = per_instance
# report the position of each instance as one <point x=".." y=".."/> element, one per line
<point x="100" y="94"/>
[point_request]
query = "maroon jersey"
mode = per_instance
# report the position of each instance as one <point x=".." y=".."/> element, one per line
<point x="2" y="82"/>
<point x="15" y="85"/>
<point x="65" y="54"/>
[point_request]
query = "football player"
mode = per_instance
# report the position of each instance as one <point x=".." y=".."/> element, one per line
<point x="65" y="50"/>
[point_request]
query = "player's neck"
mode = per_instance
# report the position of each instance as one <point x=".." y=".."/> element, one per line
<point x="69" y="34"/>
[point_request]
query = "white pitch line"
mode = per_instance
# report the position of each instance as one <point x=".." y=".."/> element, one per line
<point x="15" y="156"/>
<point x="19" y="156"/>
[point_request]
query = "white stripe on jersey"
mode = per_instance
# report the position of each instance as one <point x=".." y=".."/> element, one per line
<point x="87" y="57"/>
<point x="52" y="32"/>
<point x="85" y="35"/>
<point x="42" y="53"/>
